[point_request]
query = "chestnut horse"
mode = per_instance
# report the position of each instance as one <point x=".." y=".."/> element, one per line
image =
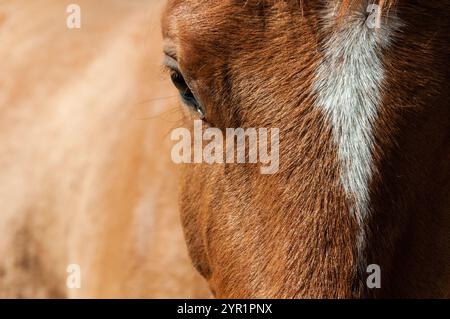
<point x="364" y="116"/>
<point x="86" y="176"/>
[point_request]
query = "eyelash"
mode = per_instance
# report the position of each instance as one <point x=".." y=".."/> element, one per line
<point x="186" y="94"/>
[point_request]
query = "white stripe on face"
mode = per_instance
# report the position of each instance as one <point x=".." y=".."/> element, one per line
<point x="348" y="89"/>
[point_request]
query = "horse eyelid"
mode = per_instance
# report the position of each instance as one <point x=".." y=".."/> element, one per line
<point x="170" y="63"/>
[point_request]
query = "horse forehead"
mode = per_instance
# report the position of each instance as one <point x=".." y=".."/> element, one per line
<point x="224" y="8"/>
<point x="209" y="18"/>
<point x="237" y="33"/>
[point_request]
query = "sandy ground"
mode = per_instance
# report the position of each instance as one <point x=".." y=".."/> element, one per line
<point x="85" y="170"/>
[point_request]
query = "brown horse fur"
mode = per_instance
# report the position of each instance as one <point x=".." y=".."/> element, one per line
<point x="292" y="234"/>
<point x="71" y="98"/>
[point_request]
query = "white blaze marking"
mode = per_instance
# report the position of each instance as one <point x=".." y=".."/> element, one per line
<point x="348" y="88"/>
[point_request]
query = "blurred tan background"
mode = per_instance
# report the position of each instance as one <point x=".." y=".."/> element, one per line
<point x="85" y="170"/>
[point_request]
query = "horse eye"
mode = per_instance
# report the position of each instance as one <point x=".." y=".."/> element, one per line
<point x="186" y="94"/>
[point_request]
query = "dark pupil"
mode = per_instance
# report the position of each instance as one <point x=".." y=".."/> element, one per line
<point x="179" y="81"/>
<point x="186" y="94"/>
